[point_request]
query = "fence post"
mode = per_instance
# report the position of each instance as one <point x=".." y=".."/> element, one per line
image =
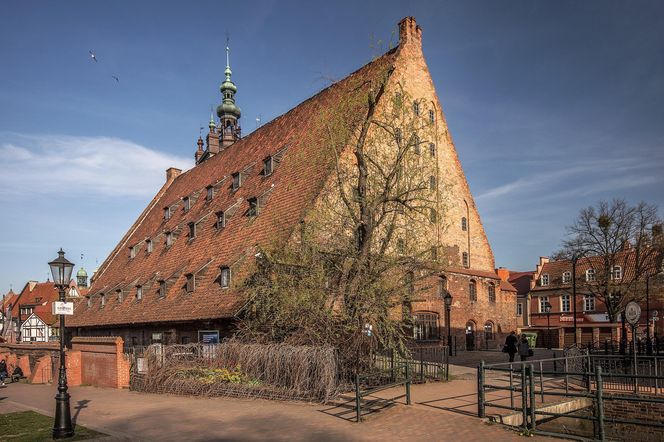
<point x="480" y="389"/>
<point x="358" y="405"/>
<point x="566" y="375"/>
<point x="447" y="363"/>
<point x="555" y="362"/>
<point x="407" y="383"/>
<point x="524" y="399"/>
<point x="541" y="377"/>
<point x="587" y="372"/>
<point x="531" y="386"/>
<point x="635" y="366"/>
<point x="656" y="375"/>
<point x="421" y="365"/>
<point x="392" y="365"/>
<point x="511" y="385"/>
<point x="600" y="403"/>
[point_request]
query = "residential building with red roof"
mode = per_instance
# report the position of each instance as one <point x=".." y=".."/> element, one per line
<point x="176" y="275"/>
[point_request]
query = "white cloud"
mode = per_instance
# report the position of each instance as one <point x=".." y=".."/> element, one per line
<point x="57" y="164"/>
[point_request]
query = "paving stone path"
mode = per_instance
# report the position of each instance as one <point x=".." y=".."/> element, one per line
<point x="441" y="411"/>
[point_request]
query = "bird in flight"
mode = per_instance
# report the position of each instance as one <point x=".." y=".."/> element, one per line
<point x="115" y="78"/>
<point x="93" y="56"/>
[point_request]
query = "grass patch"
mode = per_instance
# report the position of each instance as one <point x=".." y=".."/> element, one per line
<point x="28" y="426"/>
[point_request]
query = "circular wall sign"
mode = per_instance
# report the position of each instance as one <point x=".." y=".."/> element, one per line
<point x="632" y="313"/>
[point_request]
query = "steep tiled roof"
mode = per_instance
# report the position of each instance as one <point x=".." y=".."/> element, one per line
<point x="521" y="281"/>
<point x="44" y="313"/>
<point x="42" y="292"/>
<point x="303" y="162"/>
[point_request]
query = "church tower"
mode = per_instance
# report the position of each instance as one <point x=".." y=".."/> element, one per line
<point x="228" y="112"/>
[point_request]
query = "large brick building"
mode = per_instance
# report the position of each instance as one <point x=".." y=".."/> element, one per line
<point x="176" y="274"/>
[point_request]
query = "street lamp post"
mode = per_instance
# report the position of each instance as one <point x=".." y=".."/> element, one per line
<point x="448" y="306"/>
<point x="547" y="310"/>
<point x="575" y="259"/>
<point x="61" y="269"/>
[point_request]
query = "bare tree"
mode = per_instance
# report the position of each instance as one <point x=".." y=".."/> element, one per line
<point x="618" y="246"/>
<point x="372" y="236"/>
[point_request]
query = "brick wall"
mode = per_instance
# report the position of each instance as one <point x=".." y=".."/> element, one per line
<point x="103" y="363"/>
<point x="637" y="411"/>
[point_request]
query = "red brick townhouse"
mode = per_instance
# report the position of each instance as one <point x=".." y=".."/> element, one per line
<point x="176" y="274"/>
<point x="552" y="285"/>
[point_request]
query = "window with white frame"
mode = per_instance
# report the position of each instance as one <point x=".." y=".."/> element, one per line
<point x="590" y="275"/>
<point x="617" y="273"/>
<point x="221" y="220"/>
<point x="544" y="279"/>
<point x="589" y="303"/>
<point x="565" y="303"/>
<point x="519" y="309"/>
<point x="253" y="207"/>
<point x="543" y="301"/>
<point x="567" y="277"/>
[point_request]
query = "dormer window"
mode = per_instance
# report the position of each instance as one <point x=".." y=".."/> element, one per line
<point x="102" y="297"/>
<point x="148" y="245"/>
<point x="225" y="277"/>
<point x="119" y="294"/>
<point x="616" y="273"/>
<point x="186" y="203"/>
<point x="139" y="292"/>
<point x="544" y="280"/>
<point x="89" y="301"/>
<point x="209" y="193"/>
<point x="132" y="252"/>
<point x="191" y="283"/>
<point x="192" y="230"/>
<point x="590" y="275"/>
<point x="167" y="213"/>
<point x="253" y="207"/>
<point x="267" y="166"/>
<point x="432" y="116"/>
<point x="567" y="277"/>
<point x="162" y="288"/>
<point x="221" y="220"/>
<point x="237" y="181"/>
<point x="169" y="239"/>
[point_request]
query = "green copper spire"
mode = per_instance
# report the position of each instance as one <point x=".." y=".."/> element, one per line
<point x="228" y="108"/>
<point x="212" y="123"/>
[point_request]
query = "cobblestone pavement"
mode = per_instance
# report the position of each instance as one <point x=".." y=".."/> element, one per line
<point x="441" y="411"/>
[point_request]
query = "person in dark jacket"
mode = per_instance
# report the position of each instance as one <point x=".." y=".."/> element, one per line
<point x="510" y="345"/>
<point x="524" y="348"/>
<point x="3" y="372"/>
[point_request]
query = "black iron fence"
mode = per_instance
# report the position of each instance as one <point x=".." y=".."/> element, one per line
<point x="379" y="379"/>
<point x="531" y="391"/>
<point x="424" y="362"/>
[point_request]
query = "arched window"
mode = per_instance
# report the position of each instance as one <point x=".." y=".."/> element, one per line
<point x="472" y="290"/>
<point x="425" y="327"/>
<point x="492" y="292"/>
<point x="488" y="331"/>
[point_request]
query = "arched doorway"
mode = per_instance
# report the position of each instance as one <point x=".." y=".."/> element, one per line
<point x="488" y="333"/>
<point x="470" y="335"/>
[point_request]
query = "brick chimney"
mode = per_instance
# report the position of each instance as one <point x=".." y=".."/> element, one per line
<point x="409" y="32"/>
<point x="172" y="173"/>
<point x="503" y="273"/>
<point x="212" y="140"/>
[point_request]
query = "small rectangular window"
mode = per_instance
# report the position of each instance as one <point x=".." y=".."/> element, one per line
<point x="169" y="239"/>
<point x="89" y="301"/>
<point x="102" y="297"/>
<point x="432" y="182"/>
<point x="162" y="288"/>
<point x="267" y="166"/>
<point x="567" y="277"/>
<point x="120" y="295"/>
<point x="192" y="230"/>
<point x="466" y="261"/>
<point x="432" y="116"/>
<point x="590" y="275"/>
<point x="186" y="203"/>
<point x="543" y="301"/>
<point x="191" y="283"/>
<point x="492" y="293"/>
<point x="132" y="252"/>
<point x="148" y="245"/>
<point x="167" y="213"/>
<point x="565" y="303"/>
<point x="544" y="280"/>
<point x="589" y="303"/>
<point x="253" y="207"/>
<point x="237" y="180"/>
<point x="464" y="223"/>
<point x="225" y="277"/>
<point x="416" y="108"/>
<point x="519" y="309"/>
<point x="139" y="292"/>
<point x="209" y="193"/>
<point x="432" y="149"/>
<point x="221" y="220"/>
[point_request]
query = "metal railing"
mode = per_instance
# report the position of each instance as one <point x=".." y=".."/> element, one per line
<point x="370" y="383"/>
<point x="425" y="362"/>
<point x="529" y="387"/>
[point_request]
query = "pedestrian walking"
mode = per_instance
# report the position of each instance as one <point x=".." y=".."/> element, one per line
<point x="511" y="343"/>
<point x="524" y="348"/>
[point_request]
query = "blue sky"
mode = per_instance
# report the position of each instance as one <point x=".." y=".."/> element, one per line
<point x="552" y="105"/>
